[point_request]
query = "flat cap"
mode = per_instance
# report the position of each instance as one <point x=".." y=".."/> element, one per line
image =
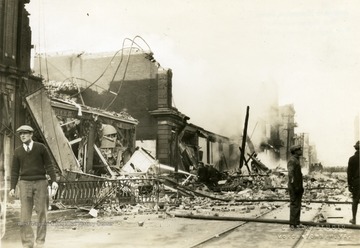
<point x="295" y="147"/>
<point x="357" y="145"/>
<point x="24" y="128"/>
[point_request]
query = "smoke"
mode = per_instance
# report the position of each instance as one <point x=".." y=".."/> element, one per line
<point x="268" y="159"/>
<point x="272" y="163"/>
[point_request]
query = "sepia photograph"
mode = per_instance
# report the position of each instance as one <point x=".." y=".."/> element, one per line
<point x="179" y="124"/>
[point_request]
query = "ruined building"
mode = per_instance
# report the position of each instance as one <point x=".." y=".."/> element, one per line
<point x="20" y="105"/>
<point x="131" y="80"/>
<point x="16" y="80"/>
<point x="287" y="129"/>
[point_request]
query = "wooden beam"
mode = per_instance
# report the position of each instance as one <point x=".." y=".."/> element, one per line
<point x="242" y="154"/>
<point x="75" y="141"/>
<point x="50" y="129"/>
<point x="104" y="161"/>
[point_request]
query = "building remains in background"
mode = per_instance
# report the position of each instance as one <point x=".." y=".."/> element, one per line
<point x="94" y="111"/>
<point x="134" y="82"/>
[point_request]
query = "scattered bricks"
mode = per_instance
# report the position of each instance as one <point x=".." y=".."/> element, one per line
<point x="320" y="218"/>
<point x="251" y="207"/>
<point x="224" y="210"/>
<point x="313" y="195"/>
<point x="156" y="207"/>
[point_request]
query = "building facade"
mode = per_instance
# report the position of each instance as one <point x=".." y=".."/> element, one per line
<point x="134" y="82"/>
<point x="16" y="80"/>
<point x="287" y="129"/>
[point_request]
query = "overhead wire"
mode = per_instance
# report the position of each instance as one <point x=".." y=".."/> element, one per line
<point x="102" y="74"/>
<point x="39" y="39"/>
<point x="44" y="37"/>
<point x="117" y="68"/>
<point x="53" y="66"/>
<point x="126" y="67"/>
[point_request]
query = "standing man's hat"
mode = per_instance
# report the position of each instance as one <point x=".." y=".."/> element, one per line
<point x="357" y="145"/>
<point x="24" y="128"/>
<point x="295" y="147"/>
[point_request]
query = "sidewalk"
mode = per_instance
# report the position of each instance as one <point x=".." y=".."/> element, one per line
<point x="13" y="212"/>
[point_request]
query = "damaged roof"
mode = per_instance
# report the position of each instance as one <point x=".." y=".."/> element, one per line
<point x="71" y="105"/>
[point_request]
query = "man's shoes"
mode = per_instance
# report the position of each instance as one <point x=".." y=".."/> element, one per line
<point x="352" y="221"/>
<point x="300" y="226"/>
<point x="294" y="227"/>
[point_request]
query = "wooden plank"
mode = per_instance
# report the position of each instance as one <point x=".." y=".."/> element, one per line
<point x="104" y="161"/>
<point x="75" y="141"/>
<point x="49" y="127"/>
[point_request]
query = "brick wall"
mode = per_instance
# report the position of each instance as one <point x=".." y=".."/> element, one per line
<point x="165" y="89"/>
<point x="141" y="87"/>
<point x="163" y="143"/>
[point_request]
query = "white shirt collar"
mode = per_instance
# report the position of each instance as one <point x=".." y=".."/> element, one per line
<point x="30" y="145"/>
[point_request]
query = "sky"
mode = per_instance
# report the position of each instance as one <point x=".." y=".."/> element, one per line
<point x="227" y="55"/>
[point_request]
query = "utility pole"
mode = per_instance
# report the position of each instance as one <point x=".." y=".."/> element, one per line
<point x="242" y="151"/>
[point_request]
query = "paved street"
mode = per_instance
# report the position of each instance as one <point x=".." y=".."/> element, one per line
<point x="72" y="229"/>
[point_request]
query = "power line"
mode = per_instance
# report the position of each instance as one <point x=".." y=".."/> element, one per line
<point x="126" y="67"/>
<point x="103" y="73"/>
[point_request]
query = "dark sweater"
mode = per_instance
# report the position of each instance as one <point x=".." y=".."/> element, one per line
<point x="31" y="166"/>
<point x="353" y="170"/>
<point x="294" y="172"/>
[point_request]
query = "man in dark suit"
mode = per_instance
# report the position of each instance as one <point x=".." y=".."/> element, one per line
<point x="354" y="181"/>
<point x="295" y="185"/>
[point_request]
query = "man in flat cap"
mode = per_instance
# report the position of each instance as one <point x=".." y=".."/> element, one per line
<point x="295" y="185"/>
<point x="354" y="181"/>
<point x="31" y="163"/>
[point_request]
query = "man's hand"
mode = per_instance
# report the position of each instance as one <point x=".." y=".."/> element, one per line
<point x="12" y="193"/>
<point x="54" y="185"/>
<point x="351" y="188"/>
<point x="54" y="188"/>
